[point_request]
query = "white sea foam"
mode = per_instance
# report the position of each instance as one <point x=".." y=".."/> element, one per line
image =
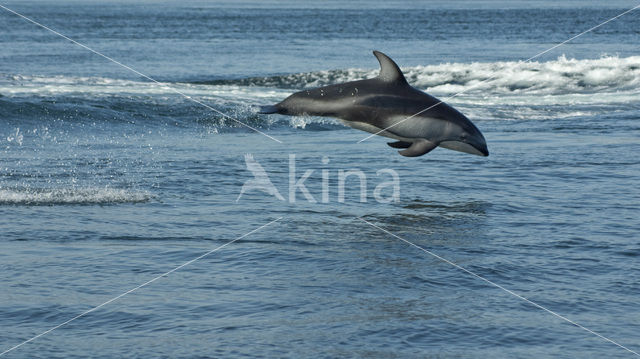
<point x="608" y="80"/>
<point x="48" y="86"/>
<point x="560" y="76"/>
<point x="52" y="196"/>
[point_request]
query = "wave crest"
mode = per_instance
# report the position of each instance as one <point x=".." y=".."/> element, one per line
<point x="560" y="76"/>
<point x="57" y="196"/>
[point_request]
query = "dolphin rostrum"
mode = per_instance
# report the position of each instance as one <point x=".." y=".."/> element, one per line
<point x="388" y="106"/>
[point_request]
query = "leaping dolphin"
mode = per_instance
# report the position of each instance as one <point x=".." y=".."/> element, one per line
<point x="388" y="106"/>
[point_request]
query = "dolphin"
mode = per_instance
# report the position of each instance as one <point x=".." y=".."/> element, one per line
<point x="388" y="106"/>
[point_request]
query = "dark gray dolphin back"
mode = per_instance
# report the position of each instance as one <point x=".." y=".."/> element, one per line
<point x="330" y="100"/>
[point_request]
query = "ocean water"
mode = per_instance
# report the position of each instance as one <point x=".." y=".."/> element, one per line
<point x="108" y="180"/>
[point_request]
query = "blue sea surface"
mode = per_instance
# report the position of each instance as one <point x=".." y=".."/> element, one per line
<point x="109" y="180"/>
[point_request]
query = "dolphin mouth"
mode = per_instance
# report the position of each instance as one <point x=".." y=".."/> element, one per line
<point x="484" y="151"/>
<point x="465" y="147"/>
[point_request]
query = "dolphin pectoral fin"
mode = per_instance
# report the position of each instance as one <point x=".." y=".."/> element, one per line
<point x="418" y="148"/>
<point x="399" y="144"/>
<point x="268" y="109"/>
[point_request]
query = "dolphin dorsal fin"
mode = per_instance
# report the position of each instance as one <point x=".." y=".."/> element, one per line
<point x="389" y="71"/>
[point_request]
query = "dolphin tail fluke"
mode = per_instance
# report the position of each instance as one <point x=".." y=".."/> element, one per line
<point x="268" y="109"/>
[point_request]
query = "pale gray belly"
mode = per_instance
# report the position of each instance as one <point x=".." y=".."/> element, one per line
<point x="403" y="129"/>
<point x="376" y="130"/>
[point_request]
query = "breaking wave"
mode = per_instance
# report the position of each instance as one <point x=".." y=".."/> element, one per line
<point x="560" y="76"/>
<point x="57" y="196"/>
<point x="495" y="90"/>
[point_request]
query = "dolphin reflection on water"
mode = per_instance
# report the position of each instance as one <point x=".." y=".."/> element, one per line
<point x="388" y="106"/>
